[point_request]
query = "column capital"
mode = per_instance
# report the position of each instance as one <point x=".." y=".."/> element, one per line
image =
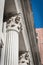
<point x="14" y="23"/>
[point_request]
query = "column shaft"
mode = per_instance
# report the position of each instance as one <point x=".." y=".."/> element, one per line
<point x="11" y="51"/>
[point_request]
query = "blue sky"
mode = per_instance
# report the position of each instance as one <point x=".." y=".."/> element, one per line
<point x="37" y="8"/>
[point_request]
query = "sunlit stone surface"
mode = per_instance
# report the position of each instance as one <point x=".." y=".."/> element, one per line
<point x="40" y="42"/>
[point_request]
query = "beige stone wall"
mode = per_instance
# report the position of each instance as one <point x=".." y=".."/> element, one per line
<point x="40" y="42"/>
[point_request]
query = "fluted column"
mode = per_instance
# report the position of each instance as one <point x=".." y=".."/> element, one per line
<point x="12" y="41"/>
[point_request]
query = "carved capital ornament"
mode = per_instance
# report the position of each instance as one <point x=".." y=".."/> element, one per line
<point x="14" y="24"/>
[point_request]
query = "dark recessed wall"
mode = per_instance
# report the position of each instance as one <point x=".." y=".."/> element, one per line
<point x="9" y="9"/>
<point x="22" y="46"/>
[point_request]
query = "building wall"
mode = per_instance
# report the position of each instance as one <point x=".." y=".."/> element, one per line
<point x="31" y="31"/>
<point x="10" y="6"/>
<point x="40" y="42"/>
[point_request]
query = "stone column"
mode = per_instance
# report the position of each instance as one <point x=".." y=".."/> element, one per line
<point x="12" y="41"/>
